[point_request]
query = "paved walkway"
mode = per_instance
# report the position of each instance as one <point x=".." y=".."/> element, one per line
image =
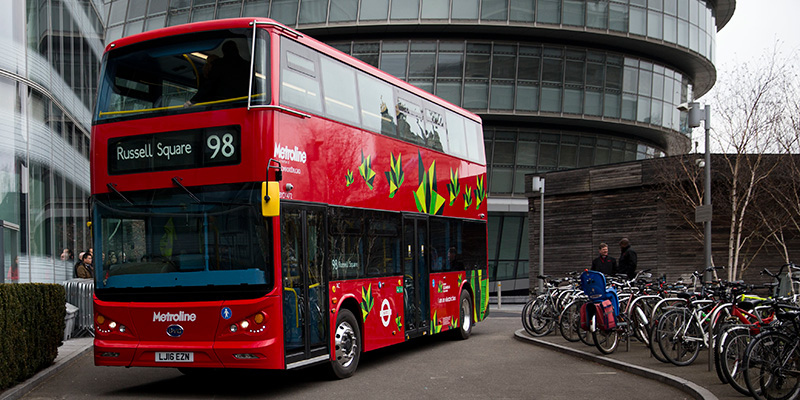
<point x="696" y="379"/>
<point x="67" y="352"/>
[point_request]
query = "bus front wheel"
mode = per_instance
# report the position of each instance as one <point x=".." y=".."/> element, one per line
<point x="347" y="342"/>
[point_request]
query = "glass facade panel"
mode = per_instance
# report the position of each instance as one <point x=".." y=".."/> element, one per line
<point x="374" y="10"/>
<point x="494" y="10"/>
<point x="405" y="9"/>
<point x="548" y="11"/>
<point x="136" y="9"/>
<point x="521" y="10"/>
<point x="435" y="9"/>
<point x="502" y="96"/>
<point x="284" y="11"/>
<point x="574" y="12"/>
<point x="465" y="9"/>
<point x="343" y="10"/>
<point x="597" y="14"/>
<point x="527" y="98"/>
<point x="313" y="11"/>
<point x="637" y="21"/>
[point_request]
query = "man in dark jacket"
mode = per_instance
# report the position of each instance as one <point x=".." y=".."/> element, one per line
<point x="603" y="263"/>
<point x="628" y="259"/>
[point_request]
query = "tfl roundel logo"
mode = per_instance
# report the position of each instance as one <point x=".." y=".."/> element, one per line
<point x="174" y="330"/>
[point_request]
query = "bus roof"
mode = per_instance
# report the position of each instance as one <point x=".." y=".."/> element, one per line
<point x="277" y="27"/>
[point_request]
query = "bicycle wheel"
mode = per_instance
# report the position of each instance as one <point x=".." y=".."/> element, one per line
<point x="606" y="340"/>
<point x="639" y="323"/>
<point x="541" y="319"/>
<point x="655" y="349"/>
<point x="730" y="352"/>
<point x="586" y="337"/>
<point x="525" y="316"/>
<point x="679" y="337"/>
<point x="771" y="366"/>
<point x="569" y="322"/>
<point x="718" y="347"/>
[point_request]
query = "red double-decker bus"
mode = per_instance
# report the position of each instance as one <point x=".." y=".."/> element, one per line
<point x="261" y="200"/>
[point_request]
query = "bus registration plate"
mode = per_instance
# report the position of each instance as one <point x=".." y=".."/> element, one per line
<point x="174" y="356"/>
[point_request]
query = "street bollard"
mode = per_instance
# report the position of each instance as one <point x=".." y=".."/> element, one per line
<point x="499" y="296"/>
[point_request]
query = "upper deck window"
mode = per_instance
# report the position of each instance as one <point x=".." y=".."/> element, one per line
<point x="185" y="73"/>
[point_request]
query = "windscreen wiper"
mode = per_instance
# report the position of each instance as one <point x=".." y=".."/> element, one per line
<point x="177" y="181"/>
<point x="113" y="188"/>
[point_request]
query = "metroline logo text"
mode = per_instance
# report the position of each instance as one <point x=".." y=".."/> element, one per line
<point x="287" y="153"/>
<point x="179" y="317"/>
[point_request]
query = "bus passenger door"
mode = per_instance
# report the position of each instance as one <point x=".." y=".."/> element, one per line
<point x="305" y="325"/>
<point x="415" y="276"/>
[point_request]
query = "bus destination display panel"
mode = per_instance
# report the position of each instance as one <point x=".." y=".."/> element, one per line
<point x="164" y="151"/>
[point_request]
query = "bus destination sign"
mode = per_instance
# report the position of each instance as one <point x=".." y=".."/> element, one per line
<point x="164" y="151"/>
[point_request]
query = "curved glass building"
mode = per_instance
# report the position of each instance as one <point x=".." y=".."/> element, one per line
<point x="50" y="52"/>
<point x="559" y="83"/>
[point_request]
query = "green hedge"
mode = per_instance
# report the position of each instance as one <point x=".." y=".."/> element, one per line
<point x="31" y="329"/>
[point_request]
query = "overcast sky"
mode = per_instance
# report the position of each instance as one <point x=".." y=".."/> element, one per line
<point x="755" y="28"/>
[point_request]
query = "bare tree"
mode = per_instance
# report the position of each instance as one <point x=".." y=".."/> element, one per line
<point x="750" y="115"/>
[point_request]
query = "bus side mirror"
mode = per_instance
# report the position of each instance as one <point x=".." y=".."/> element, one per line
<point x="270" y="199"/>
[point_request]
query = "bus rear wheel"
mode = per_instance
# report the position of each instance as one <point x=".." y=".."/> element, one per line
<point x="465" y="317"/>
<point x="347" y="342"/>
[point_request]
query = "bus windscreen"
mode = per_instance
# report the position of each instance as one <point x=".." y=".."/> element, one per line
<point x="206" y="237"/>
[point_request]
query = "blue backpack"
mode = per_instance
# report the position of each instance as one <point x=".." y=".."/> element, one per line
<point x="593" y="284"/>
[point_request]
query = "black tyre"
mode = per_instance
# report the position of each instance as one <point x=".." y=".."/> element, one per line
<point x="771" y="367"/>
<point x="606" y="340"/>
<point x="542" y="317"/>
<point x="465" y="316"/>
<point x="347" y="342"/>
<point x="569" y="322"/>
<point x="526" y="315"/>
<point x="731" y="347"/>
<point x="639" y="323"/>
<point x="679" y="337"/>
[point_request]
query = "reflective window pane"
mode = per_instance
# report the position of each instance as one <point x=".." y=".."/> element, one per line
<point x="374" y="10"/>
<point x="494" y="10"/>
<point x="435" y="9"/>
<point x="548" y="11"/>
<point x="408" y="9"/>
<point x="284" y="11"/>
<point x="465" y="9"/>
<point x="343" y="10"/>
<point x="313" y="11"/>
<point x="521" y="10"/>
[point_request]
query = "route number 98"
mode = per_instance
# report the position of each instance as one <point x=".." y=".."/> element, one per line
<point x="222" y="145"/>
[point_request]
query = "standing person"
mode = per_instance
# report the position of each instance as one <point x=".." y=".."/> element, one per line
<point x="13" y="271"/>
<point x="604" y="263"/>
<point x="84" y="268"/>
<point x="627" y="259"/>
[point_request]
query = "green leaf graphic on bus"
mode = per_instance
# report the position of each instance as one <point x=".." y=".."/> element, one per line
<point x="467" y="198"/>
<point x="349" y="178"/>
<point x="399" y="321"/>
<point x="435" y="328"/>
<point x="480" y="193"/>
<point x="453" y="187"/>
<point x="428" y="201"/>
<point x="365" y="169"/>
<point x="366" y="301"/>
<point x="395" y="176"/>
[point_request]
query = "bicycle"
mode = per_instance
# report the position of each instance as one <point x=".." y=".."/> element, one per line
<point x="772" y="359"/>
